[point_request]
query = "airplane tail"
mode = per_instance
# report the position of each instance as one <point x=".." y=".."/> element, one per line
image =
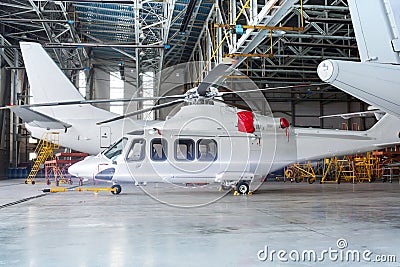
<point x="377" y="29"/>
<point x="386" y="131"/>
<point x="48" y="84"/>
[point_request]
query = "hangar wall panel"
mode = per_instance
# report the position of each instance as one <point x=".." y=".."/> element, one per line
<point x="102" y="87"/>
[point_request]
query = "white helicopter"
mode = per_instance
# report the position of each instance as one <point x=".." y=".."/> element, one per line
<point x="57" y="106"/>
<point x="207" y="141"/>
<point x="376" y="78"/>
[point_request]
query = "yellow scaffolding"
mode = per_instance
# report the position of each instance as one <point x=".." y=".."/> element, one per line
<point x="329" y="174"/>
<point x="301" y="172"/>
<point x="49" y="142"/>
<point x="346" y="170"/>
<point x="353" y="169"/>
<point x="334" y="168"/>
<point x="363" y="169"/>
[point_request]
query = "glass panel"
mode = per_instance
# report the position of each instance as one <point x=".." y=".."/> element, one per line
<point x="82" y="83"/>
<point x="148" y="91"/>
<point x="158" y="150"/>
<point x="207" y="150"/>
<point x="184" y="149"/>
<point x="116" y="91"/>
<point x="137" y="151"/>
<point x="116" y="149"/>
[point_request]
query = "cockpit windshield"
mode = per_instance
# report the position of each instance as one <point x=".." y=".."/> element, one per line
<point x="116" y="149"/>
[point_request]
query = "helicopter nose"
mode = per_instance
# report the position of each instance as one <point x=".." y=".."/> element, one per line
<point x="77" y="169"/>
<point x="89" y="167"/>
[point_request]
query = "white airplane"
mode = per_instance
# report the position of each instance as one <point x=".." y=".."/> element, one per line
<point x="217" y="143"/>
<point x="57" y="105"/>
<point x="376" y="78"/>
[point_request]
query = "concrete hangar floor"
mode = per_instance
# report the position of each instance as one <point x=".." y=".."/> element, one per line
<point x="280" y="224"/>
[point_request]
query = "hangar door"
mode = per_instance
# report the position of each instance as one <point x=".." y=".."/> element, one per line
<point x="105" y="136"/>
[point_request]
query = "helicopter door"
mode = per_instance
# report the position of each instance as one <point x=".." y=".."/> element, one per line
<point x="105" y="136"/>
<point x="255" y="152"/>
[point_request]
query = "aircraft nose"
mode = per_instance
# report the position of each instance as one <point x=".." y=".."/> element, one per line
<point x="76" y="168"/>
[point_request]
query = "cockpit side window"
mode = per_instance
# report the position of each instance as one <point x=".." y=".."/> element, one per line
<point x="158" y="149"/>
<point x="207" y="150"/>
<point x="116" y="149"/>
<point x="137" y="150"/>
<point x="184" y="149"/>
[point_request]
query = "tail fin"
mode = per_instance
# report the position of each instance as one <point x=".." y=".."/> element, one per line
<point x="386" y="130"/>
<point x="377" y="29"/>
<point x="47" y="82"/>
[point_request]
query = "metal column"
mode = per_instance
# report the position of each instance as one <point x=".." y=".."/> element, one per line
<point x="14" y="151"/>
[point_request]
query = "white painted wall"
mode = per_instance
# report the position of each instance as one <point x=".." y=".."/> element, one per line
<point x="102" y="87"/>
<point x="130" y="91"/>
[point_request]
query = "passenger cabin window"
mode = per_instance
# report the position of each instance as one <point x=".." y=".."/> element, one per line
<point x="136" y="151"/>
<point x="116" y="149"/>
<point x="207" y="150"/>
<point x="184" y="149"/>
<point x="158" y="149"/>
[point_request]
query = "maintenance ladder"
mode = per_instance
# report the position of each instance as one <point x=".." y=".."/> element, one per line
<point x="49" y="142"/>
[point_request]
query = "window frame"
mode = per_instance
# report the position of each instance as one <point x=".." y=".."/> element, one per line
<point x="143" y="150"/>
<point x="193" y="150"/>
<point x="164" y="147"/>
<point x="120" y="141"/>
<point x="198" y="150"/>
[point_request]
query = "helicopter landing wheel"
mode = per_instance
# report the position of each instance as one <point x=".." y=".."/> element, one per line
<point x="118" y="189"/>
<point x="243" y="188"/>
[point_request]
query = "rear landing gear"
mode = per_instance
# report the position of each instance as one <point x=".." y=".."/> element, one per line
<point x="242" y="188"/>
<point x="117" y="188"/>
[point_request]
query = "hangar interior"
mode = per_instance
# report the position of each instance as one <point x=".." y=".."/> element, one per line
<point x="112" y="49"/>
<point x="96" y="41"/>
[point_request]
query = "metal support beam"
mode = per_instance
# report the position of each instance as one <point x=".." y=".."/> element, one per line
<point x="14" y="151"/>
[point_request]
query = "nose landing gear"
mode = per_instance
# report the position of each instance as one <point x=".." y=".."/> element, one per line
<point x="116" y="189"/>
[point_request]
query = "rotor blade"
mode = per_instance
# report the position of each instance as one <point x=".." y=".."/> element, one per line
<point x="97" y="101"/>
<point x="244" y="107"/>
<point x="156" y="107"/>
<point x="272" y="88"/>
<point x="212" y="77"/>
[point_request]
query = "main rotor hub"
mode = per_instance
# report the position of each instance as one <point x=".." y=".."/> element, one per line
<point x="212" y="92"/>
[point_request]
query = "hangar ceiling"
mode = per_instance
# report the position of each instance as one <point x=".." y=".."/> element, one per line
<point x="137" y="31"/>
<point x="153" y="34"/>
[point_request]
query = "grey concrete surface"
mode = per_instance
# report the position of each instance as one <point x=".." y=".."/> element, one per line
<point x="161" y="226"/>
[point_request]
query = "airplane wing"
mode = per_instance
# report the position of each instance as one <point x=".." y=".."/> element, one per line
<point x="38" y="119"/>
<point x="384" y="145"/>
<point x="347" y="116"/>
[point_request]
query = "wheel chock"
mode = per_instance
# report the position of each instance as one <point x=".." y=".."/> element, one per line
<point x="236" y="193"/>
<point x="250" y="193"/>
<point x="29" y="181"/>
